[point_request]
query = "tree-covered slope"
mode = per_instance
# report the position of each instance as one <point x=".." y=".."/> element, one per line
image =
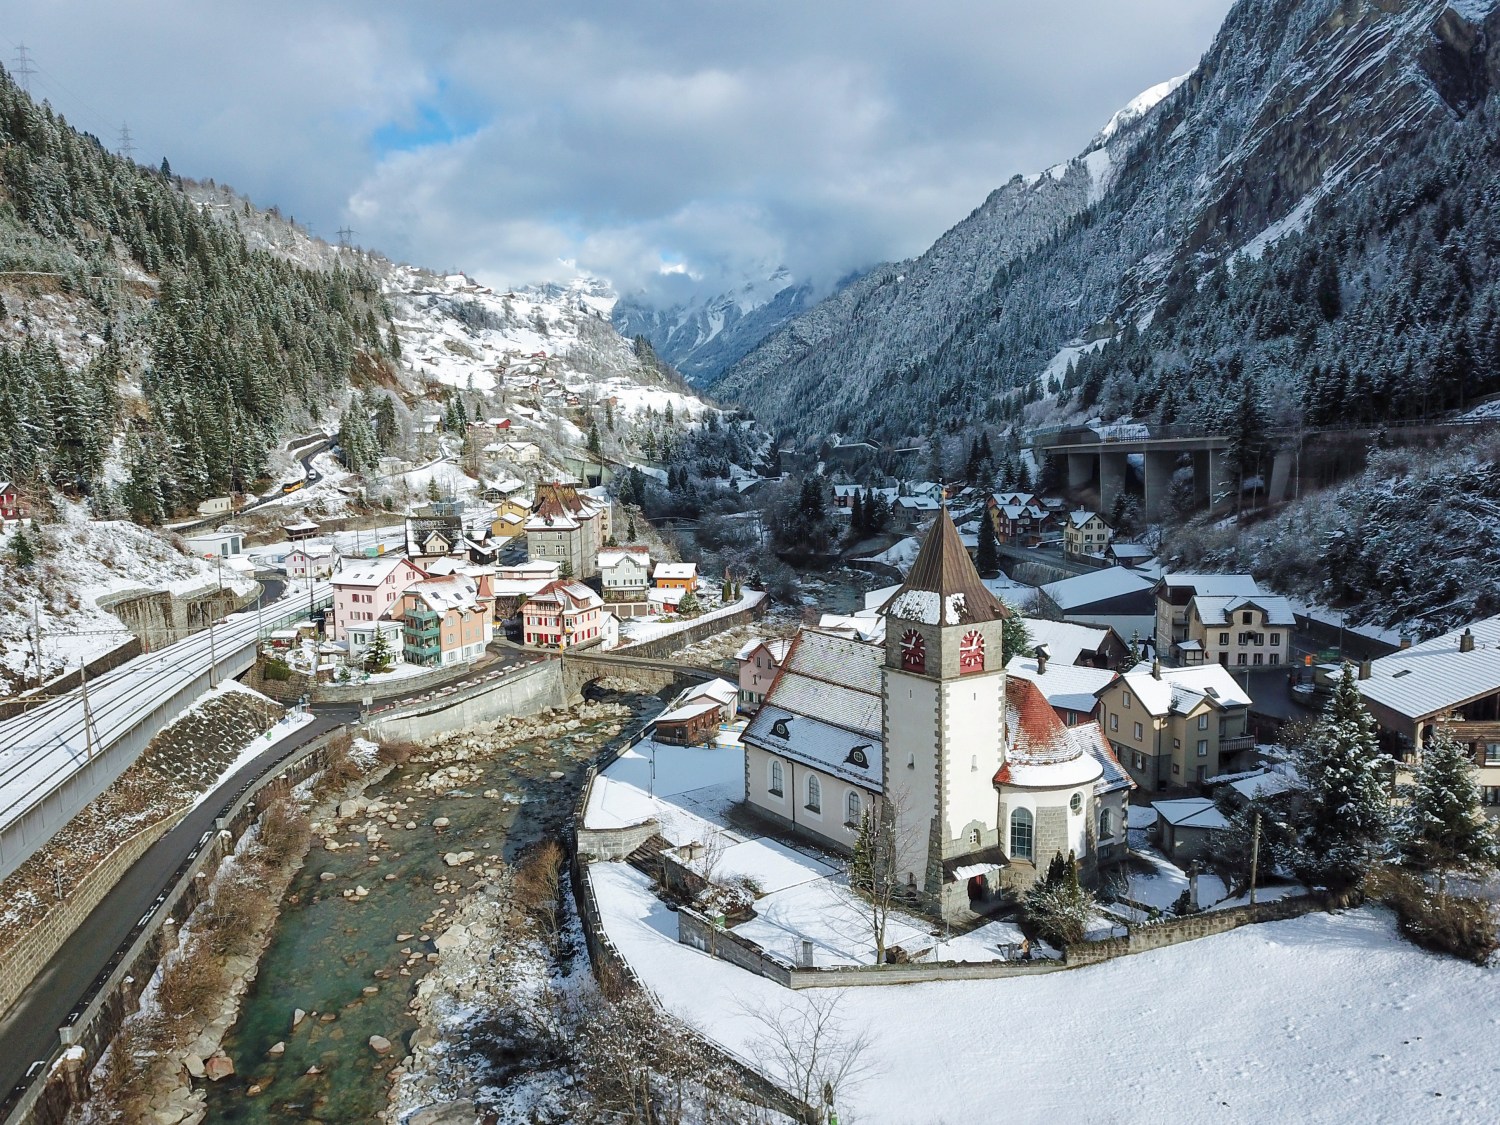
<point x="1271" y="217"/>
<point x="129" y="309"/>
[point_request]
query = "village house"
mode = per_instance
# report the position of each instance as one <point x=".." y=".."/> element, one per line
<point x="1175" y="727"/>
<point x="300" y="529"/>
<point x="13" y="505"/>
<point x="1132" y="555"/>
<point x="1085" y="533"/>
<point x="510" y="488"/>
<point x="569" y="527"/>
<point x="213" y="506"/>
<point x="984" y="781"/>
<point x="1096" y="646"/>
<point x="688" y="724"/>
<point x="844" y="494"/>
<point x="361" y="640"/>
<point x="517" y="452"/>
<point x="1450" y="682"/>
<point x="625" y="573"/>
<point x="675" y="576"/>
<point x="1017" y="518"/>
<point x="562" y="614"/>
<point x="908" y="513"/>
<point x="1238" y="631"/>
<point x="310" y="560"/>
<point x="1072" y="690"/>
<point x="1187" y="828"/>
<point x="224" y="543"/>
<point x="1172" y="599"/>
<point x="365" y="590"/>
<point x="719" y="692"/>
<point x="444" y="620"/>
<point x="1116" y="597"/>
<point x="514" y="584"/>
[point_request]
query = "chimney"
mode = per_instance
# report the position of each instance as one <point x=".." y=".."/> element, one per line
<point x="1155" y="668"/>
<point x="1364" y="669"/>
<point x="1041" y="659"/>
<point x="1405" y="641"/>
<point x="1466" y="641"/>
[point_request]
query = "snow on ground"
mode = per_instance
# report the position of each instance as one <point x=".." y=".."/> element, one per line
<point x="900" y="554"/>
<point x="1347" y="1023"/>
<point x="1057" y="366"/>
<point x="634" y="630"/>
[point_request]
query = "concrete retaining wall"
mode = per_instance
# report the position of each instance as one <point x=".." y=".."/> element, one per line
<point x="526" y="691"/>
<point x="663" y="646"/>
<point x="61" y="685"/>
<point x="28" y="956"/>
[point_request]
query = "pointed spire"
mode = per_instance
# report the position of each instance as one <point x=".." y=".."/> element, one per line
<point x="943" y="568"/>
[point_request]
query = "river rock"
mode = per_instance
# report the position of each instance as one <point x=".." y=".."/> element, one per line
<point x="350" y="808"/>
<point x="557" y="775"/>
<point x="458" y="859"/>
<point x="218" y="1067"/>
<point x="253" y="1090"/>
<point x="277" y="1050"/>
<point x="361" y="892"/>
<point x="404" y="937"/>
<point x="327" y="876"/>
<point x="391" y="878"/>
<point x="411" y="824"/>
<point x="448" y="1113"/>
<point x="455" y="937"/>
<point x="380" y="1044"/>
<point x="370" y="989"/>
<point x="330" y="845"/>
<point x="441" y="822"/>
<point x="298" y="1015"/>
<point x="194" y="1065"/>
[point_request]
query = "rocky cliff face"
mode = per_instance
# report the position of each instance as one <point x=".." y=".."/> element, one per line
<point x="1294" y="112"/>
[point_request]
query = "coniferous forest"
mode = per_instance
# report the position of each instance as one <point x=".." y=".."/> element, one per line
<point x="225" y="342"/>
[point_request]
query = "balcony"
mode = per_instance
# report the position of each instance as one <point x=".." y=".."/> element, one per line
<point x="1236" y="743"/>
<point x="422" y="630"/>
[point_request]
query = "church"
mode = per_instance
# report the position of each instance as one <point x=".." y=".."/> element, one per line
<point x="984" y="782"/>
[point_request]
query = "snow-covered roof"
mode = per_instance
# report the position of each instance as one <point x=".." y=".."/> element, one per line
<point x="1266" y="783"/>
<point x="1181" y="690"/>
<point x="453" y="591"/>
<point x="1436" y="676"/>
<point x="557" y="522"/>
<point x="1131" y="551"/>
<point x="372" y="572"/>
<point x="877" y="598"/>
<point x="1041" y="752"/>
<point x="687" y="711"/>
<point x="775" y="647"/>
<point x="918" y="503"/>
<point x="1070" y="687"/>
<point x="565" y="593"/>
<point x="1081" y="518"/>
<point x="1215" y="585"/>
<point x="865" y="626"/>
<point x="1190" y="812"/>
<point x="665" y="597"/>
<point x="531" y="568"/>
<point x="854" y="755"/>
<point x="1217" y="610"/>
<point x="1065" y="640"/>
<point x="1113" y="778"/>
<point x="676" y="570"/>
<point x="614" y="556"/>
<point x="719" y="690"/>
<point x="1096" y="586"/>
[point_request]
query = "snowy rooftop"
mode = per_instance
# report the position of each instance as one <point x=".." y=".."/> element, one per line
<point x="1098" y="586"/>
<point x="776" y="648"/>
<point x="1219" y="610"/>
<point x="1065" y="641"/>
<point x="1215" y="585"/>
<point x="372" y="572"/>
<point x="854" y="755"/>
<point x="1183" y="689"/>
<point x="1190" y="812"/>
<point x="1436" y="676"/>
<point x="1068" y="686"/>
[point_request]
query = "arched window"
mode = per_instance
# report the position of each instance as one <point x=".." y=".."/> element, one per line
<point x="851" y="809"/>
<point x="1105" y="827"/>
<point x="814" y="794"/>
<point x="777" y="777"/>
<point x="1020" y="834"/>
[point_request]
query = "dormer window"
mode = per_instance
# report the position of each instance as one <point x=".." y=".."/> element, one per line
<point x="913" y="651"/>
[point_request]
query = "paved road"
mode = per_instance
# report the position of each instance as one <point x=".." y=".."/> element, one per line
<point x="29" y="1030"/>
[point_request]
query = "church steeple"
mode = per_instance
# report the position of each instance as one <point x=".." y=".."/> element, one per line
<point x="943" y="588"/>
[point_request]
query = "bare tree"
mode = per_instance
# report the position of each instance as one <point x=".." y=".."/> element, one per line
<point x="809" y="1049"/>
<point x="885" y="847"/>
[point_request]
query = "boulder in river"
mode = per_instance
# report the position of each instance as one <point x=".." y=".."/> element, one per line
<point x="380" y="1044"/>
<point x="218" y="1067"/>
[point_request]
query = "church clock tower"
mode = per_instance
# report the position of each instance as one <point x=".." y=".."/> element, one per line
<point x="944" y="717"/>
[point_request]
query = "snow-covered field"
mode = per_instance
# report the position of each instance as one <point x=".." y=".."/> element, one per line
<point x="1346" y="1022"/>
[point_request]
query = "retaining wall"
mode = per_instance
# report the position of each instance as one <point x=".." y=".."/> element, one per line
<point x="61" y="685"/>
<point x="30" y="955"/>
<point x="526" y="691"/>
<point x="117" y="991"/>
<point x="697" y="631"/>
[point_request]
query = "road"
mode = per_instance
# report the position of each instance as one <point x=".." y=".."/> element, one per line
<point x="41" y="748"/>
<point x="29" y="1030"/>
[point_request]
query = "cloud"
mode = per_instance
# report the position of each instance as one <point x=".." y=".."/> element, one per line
<point x="522" y="143"/>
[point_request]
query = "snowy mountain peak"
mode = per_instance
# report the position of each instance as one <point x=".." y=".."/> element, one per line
<point x="1135" y="109"/>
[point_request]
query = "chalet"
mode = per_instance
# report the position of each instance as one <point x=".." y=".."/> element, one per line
<point x="444" y="620"/>
<point x="910" y="512"/>
<point x="625" y="573"/>
<point x="1017" y="518"/>
<point x="1175" y="727"/>
<point x="301" y="529"/>
<point x="562" y="614"/>
<point x="721" y="693"/>
<point x="759" y="660"/>
<point x="518" y="452"/>
<point x="310" y="560"/>
<point x="691" y="724"/>
<point x="1085" y="533"/>
<point x="13" y="505"/>
<point x="844" y="494"/>
<point x="675" y="576"/>
<point x="1451" y="681"/>
<point x="434" y="530"/>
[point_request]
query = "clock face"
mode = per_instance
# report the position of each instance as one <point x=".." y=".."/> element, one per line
<point x="913" y="651"/>
<point x="971" y="653"/>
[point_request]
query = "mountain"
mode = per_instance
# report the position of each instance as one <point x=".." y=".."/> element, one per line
<point x="1313" y="197"/>
<point x="703" y="336"/>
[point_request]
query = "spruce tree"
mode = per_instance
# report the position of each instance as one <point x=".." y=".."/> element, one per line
<point x="987" y="557"/>
<point x="1442" y="829"/>
<point x="1345" y="816"/>
<point x="594" y="447"/>
<point x="1015" y="638"/>
<point x="858" y="525"/>
<point x="22" y="553"/>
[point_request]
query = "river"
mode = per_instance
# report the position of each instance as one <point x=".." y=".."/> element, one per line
<point x="327" y="950"/>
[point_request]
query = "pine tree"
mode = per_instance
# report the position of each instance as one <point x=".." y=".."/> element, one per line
<point x="1442" y="829"/>
<point x="858" y="525"/>
<point x="433" y="493"/>
<point x="1015" y="638"/>
<point x="987" y="556"/>
<point x="1345" y="816"/>
<point x="379" y="657"/>
<point x="594" y="447"/>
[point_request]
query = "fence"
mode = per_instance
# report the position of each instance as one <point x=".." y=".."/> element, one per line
<point x="116" y="990"/>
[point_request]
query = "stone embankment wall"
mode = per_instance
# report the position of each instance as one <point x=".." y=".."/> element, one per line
<point x="697" y="631"/>
<point x="526" y="691"/>
<point x="157" y="617"/>
<point x="71" y="681"/>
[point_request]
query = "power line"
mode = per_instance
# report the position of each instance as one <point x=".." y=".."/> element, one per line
<point x="345" y="234"/>
<point x="23" y="68"/>
<point x="127" y="150"/>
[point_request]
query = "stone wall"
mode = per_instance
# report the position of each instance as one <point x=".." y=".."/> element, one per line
<point x="71" y="681"/>
<point x="526" y="691"/>
<point x="30" y="955"/>
<point x="697" y="631"/>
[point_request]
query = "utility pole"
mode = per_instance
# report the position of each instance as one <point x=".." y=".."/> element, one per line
<point x="36" y="638"/>
<point x="213" y="654"/>
<point x="1254" y="856"/>
<point x="23" y="68"/>
<point x="345" y="234"/>
<point x="88" y="714"/>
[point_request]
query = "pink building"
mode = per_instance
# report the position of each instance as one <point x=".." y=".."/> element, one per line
<point x="760" y="660"/>
<point x="443" y="620"/>
<point x="365" y="590"/>
<point x="562" y="614"/>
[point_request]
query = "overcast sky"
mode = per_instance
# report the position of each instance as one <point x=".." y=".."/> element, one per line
<point x="529" y="141"/>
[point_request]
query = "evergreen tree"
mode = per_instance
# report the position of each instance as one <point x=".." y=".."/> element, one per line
<point x="22" y="553"/>
<point x="858" y="525"/>
<point x="1442" y="829"/>
<point x="379" y="657"/>
<point x="1345" y="815"/>
<point x="594" y="447"/>
<point x="1015" y="638"/>
<point x="433" y="493"/>
<point x="987" y="556"/>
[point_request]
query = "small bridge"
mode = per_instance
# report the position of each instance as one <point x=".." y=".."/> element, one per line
<point x="584" y="666"/>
